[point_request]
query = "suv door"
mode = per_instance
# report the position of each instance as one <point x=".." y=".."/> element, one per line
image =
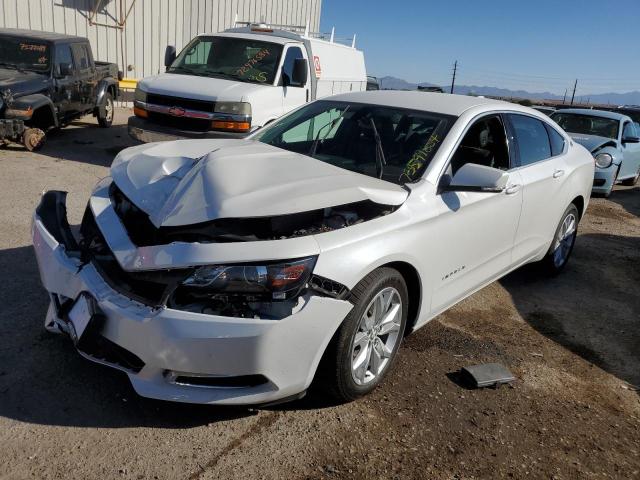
<point x="66" y="95"/>
<point x="540" y="153"/>
<point x="476" y="229"/>
<point x="631" y="161"/>
<point x="85" y="76"/>
<point x="292" y="97"/>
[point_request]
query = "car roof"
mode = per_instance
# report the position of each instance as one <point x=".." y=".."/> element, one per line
<point x="38" y="35"/>
<point x="594" y="113"/>
<point x="443" y="103"/>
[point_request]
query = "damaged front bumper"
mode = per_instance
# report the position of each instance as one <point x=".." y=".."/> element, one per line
<point x="173" y="354"/>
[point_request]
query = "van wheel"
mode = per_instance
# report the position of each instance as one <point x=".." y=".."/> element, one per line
<point x="558" y="255"/>
<point x="33" y="139"/>
<point x="106" y="120"/>
<point x="365" y="346"/>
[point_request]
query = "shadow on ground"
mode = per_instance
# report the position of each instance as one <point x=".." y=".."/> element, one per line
<point x="43" y="380"/>
<point x="601" y="326"/>
<point x="628" y="198"/>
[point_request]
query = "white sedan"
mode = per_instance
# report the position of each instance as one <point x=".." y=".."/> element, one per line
<point x="237" y="271"/>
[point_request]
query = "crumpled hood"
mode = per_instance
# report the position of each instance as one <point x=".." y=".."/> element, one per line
<point x="192" y="181"/>
<point x="592" y="142"/>
<point x="21" y="83"/>
<point x="199" y="88"/>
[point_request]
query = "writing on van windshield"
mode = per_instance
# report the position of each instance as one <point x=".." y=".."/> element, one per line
<point x="262" y="54"/>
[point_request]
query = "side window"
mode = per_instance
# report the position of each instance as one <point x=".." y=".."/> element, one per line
<point x="532" y="139"/>
<point x="81" y="56"/>
<point x="287" y="67"/>
<point x="64" y="56"/>
<point x="485" y="143"/>
<point x="556" y="140"/>
<point x="199" y="54"/>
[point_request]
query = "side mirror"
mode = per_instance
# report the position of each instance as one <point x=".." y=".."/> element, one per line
<point x="477" y="178"/>
<point x="300" y="73"/>
<point x="630" y="139"/>
<point x="169" y="55"/>
<point x="64" y="70"/>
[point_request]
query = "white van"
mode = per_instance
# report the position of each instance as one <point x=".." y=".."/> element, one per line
<point x="227" y="84"/>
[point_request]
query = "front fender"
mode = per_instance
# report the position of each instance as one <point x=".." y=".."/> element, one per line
<point x="23" y="108"/>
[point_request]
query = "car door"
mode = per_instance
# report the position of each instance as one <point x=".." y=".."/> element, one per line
<point x="476" y="230"/>
<point x="543" y="171"/>
<point x="66" y="94"/>
<point x="85" y="76"/>
<point x="631" y="152"/>
<point x="292" y="96"/>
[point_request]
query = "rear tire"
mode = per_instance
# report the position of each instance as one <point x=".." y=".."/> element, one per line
<point x="563" y="241"/>
<point x="365" y="346"/>
<point x="106" y="120"/>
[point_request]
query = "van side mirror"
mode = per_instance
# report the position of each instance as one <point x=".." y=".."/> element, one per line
<point x="64" y="70"/>
<point x="300" y="73"/>
<point x="169" y="55"/>
<point x="630" y="139"/>
<point x="478" y="178"/>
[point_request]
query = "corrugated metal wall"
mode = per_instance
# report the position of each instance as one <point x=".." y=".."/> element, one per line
<point x="138" y="48"/>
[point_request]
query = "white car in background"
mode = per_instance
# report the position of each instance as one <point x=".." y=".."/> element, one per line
<point x="227" y="271"/>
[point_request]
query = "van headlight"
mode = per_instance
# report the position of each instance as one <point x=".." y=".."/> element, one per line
<point x="604" y="160"/>
<point x="233" y="108"/>
<point x="276" y="281"/>
<point x="140" y="95"/>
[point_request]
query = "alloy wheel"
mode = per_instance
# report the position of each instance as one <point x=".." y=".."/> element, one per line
<point x="564" y="240"/>
<point x="377" y="335"/>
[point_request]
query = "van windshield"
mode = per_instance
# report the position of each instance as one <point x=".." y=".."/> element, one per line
<point x="240" y="59"/>
<point x="24" y="54"/>
<point x="394" y="144"/>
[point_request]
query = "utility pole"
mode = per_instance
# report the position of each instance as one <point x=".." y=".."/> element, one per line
<point x="453" y="80"/>
<point x="564" y="99"/>
<point x="575" y="85"/>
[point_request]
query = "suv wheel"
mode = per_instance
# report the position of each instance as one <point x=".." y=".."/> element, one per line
<point x="33" y="139"/>
<point x="366" y="344"/>
<point x="563" y="241"/>
<point x="106" y="120"/>
<point x="631" y="181"/>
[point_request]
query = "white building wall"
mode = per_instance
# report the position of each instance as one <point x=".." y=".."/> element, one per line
<point x="138" y="47"/>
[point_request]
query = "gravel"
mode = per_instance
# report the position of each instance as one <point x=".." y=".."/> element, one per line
<point x="573" y="343"/>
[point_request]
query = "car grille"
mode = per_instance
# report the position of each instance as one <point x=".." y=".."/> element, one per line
<point x="186" y="103"/>
<point x="150" y="288"/>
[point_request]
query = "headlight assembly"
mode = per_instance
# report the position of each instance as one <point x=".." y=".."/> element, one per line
<point x="140" y="95"/>
<point x="278" y="281"/>
<point x="603" y="160"/>
<point x="233" y="108"/>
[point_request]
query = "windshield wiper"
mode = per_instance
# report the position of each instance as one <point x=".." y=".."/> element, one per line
<point x="331" y="124"/>
<point x="11" y="65"/>
<point x="186" y="70"/>
<point x="380" y="160"/>
<point x="225" y="74"/>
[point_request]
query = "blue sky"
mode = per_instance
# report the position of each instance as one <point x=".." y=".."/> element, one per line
<point x="535" y="45"/>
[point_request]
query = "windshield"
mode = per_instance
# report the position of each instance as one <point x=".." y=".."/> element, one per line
<point x="587" y="124"/>
<point x="391" y="143"/>
<point x="233" y="58"/>
<point x="23" y="54"/>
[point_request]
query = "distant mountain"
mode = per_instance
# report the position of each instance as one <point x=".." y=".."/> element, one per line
<point x="629" y="98"/>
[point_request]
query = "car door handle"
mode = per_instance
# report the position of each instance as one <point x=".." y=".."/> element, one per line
<point x="558" y="173"/>
<point x="511" y="189"/>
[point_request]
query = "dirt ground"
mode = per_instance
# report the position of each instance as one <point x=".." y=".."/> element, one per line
<point x="573" y="343"/>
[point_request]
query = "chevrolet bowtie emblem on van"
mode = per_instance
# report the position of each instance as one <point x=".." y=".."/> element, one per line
<point x="177" y="111"/>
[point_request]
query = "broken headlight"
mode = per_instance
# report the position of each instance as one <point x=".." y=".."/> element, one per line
<point x="277" y="281"/>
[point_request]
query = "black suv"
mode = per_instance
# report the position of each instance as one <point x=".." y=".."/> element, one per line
<point x="48" y="80"/>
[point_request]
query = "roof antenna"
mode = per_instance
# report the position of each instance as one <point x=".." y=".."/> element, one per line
<point x="333" y="31"/>
<point x="353" y="43"/>
<point x="306" y="29"/>
<point x="235" y="20"/>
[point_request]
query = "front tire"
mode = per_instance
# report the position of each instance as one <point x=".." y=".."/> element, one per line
<point x="106" y="120"/>
<point x="563" y="241"/>
<point x="33" y="139"/>
<point x="366" y="344"/>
